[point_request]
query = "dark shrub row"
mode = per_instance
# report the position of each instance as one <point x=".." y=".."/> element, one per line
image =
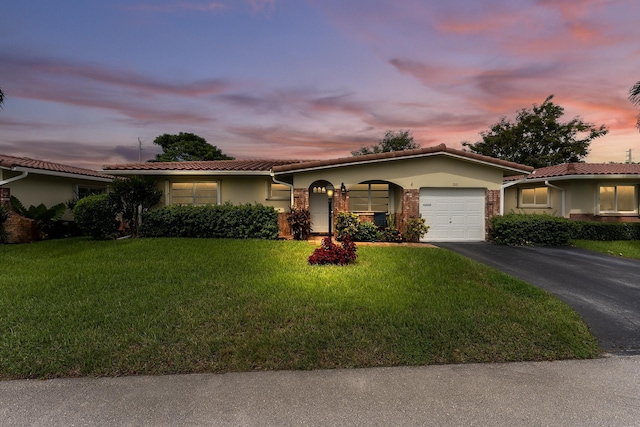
<point x="546" y="230"/>
<point x="212" y="221"/>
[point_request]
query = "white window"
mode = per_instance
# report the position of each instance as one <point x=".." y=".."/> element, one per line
<point x="278" y="191"/>
<point x="194" y="193"/>
<point x="369" y="197"/>
<point x="538" y="197"/>
<point x="618" y="199"/>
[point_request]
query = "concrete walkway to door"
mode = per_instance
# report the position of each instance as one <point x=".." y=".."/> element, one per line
<point x="604" y="290"/>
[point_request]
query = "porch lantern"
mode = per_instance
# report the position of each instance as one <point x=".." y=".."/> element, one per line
<point x="330" y="200"/>
<point x="343" y="188"/>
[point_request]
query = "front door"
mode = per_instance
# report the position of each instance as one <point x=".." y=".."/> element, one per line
<point x="319" y="209"/>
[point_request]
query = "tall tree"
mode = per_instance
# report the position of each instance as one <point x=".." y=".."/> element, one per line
<point x="186" y="147"/>
<point x="132" y="197"/>
<point x="538" y="138"/>
<point x="634" y="97"/>
<point x="392" y="141"/>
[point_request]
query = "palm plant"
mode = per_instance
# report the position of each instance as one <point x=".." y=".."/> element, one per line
<point x="634" y="97"/>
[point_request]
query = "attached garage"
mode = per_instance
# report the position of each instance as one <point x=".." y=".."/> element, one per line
<point x="453" y="214"/>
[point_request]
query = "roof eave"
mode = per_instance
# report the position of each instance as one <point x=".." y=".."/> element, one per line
<point x="61" y="174"/>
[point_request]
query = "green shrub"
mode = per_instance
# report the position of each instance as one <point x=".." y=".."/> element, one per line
<point x="366" y="232"/>
<point x="605" y="231"/>
<point x="346" y="225"/>
<point x="299" y="223"/>
<point x="530" y="229"/>
<point x="415" y="229"/>
<point x="4" y="216"/>
<point x="244" y="221"/>
<point x="96" y="216"/>
<point x="331" y="254"/>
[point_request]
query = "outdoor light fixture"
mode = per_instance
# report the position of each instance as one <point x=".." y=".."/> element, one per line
<point x="343" y="188"/>
<point x="330" y="199"/>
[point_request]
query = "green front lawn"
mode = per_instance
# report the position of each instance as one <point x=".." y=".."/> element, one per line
<point x="158" y="306"/>
<point x="623" y="248"/>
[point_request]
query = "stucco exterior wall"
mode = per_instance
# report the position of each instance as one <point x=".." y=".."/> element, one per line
<point x="436" y="171"/>
<point x="50" y="190"/>
<point x="233" y="189"/>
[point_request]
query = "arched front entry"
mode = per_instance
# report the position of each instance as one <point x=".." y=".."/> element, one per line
<point x="319" y="206"/>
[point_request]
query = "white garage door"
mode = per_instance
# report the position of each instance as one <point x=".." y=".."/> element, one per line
<point x="453" y="214"/>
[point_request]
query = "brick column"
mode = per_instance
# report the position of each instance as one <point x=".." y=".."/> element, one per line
<point x="491" y="209"/>
<point x="301" y="198"/>
<point x="410" y="207"/>
<point x="5" y="196"/>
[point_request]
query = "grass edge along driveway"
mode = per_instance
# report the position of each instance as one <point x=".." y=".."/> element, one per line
<point x="77" y="307"/>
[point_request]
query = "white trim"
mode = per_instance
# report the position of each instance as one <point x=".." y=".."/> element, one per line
<point x="184" y="172"/>
<point x="563" y="195"/>
<point x="505" y="186"/>
<point x="414" y="156"/>
<point x="15" y="178"/>
<point x="273" y="178"/>
<point x="60" y="174"/>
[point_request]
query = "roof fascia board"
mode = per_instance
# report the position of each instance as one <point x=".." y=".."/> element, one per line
<point x="414" y="156"/>
<point x="60" y="174"/>
<point x="117" y="172"/>
<point x="573" y="177"/>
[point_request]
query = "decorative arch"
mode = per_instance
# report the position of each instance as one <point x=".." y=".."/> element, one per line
<point x="319" y="205"/>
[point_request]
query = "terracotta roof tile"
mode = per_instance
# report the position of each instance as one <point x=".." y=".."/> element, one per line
<point x="577" y="169"/>
<point x="398" y="155"/>
<point x="25" y="162"/>
<point x="215" y="165"/>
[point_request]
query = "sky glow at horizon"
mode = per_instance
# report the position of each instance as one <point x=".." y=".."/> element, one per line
<point x="306" y="79"/>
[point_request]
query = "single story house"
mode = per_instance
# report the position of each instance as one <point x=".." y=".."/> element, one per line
<point x="37" y="181"/>
<point x="581" y="191"/>
<point x="454" y="190"/>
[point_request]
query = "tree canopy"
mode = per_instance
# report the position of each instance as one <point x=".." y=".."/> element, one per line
<point x="392" y="141"/>
<point x="186" y="147"/>
<point x="634" y="97"/>
<point x="538" y="138"/>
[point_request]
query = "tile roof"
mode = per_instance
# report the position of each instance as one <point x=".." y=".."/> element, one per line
<point x="578" y="169"/>
<point x="9" y="162"/>
<point x="399" y="155"/>
<point x="214" y="165"/>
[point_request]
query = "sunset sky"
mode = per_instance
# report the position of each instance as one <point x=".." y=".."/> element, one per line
<point x="306" y="79"/>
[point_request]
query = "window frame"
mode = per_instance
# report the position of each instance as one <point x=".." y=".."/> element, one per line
<point x="522" y="204"/>
<point x="370" y="191"/>
<point x="270" y="191"/>
<point x="615" y="210"/>
<point x="194" y="187"/>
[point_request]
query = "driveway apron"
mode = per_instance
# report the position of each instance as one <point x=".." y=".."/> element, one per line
<point x="604" y="290"/>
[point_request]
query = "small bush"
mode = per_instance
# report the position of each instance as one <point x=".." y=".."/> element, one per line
<point x="299" y="223"/>
<point x="244" y="221"/>
<point x="367" y="232"/>
<point x="346" y="224"/>
<point x="330" y="253"/>
<point x="415" y="229"/>
<point x="530" y="229"/>
<point x="96" y="216"/>
<point x="391" y="235"/>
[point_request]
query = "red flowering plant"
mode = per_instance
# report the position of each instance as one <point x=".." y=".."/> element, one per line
<point x="330" y="253"/>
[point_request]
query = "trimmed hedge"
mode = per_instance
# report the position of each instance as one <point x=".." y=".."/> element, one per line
<point x="530" y="229"/>
<point x="245" y="221"/>
<point x="594" y="230"/>
<point x="546" y="230"/>
<point x="95" y="215"/>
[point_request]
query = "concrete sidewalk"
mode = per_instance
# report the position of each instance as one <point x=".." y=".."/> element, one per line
<point x="602" y="392"/>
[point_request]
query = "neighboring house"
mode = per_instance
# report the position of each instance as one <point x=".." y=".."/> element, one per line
<point x="36" y="181"/>
<point x="581" y="191"/>
<point x="455" y="191"/>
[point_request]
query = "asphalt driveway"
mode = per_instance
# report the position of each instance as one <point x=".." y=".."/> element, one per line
<point x="604" y="290"/>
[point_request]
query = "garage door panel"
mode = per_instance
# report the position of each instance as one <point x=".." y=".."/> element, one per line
<point x="453" y="214"/>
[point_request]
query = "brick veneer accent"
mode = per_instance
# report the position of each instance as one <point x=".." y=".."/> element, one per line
<point x="5" y="196"/>
<point x="410" y="207"/>
<point x="20" y="229"/>
<point x="283" y="226"/>
<point x="301" y="198"/>
<point x="604" y="218"/>
<point x="491" y="208"/>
